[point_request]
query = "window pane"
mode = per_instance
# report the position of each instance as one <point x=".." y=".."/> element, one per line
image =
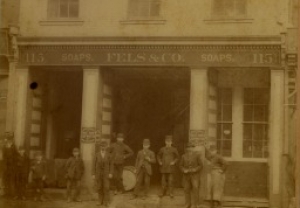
<point x="248" y="132"/>
<point x="247" y="150"/>
<point x="257" y="149"/>
<point x="74" y="8"/>
<point x="258" y="132"/>
<point x="53" y="8"/>
<point x="227" y="131"/>
<point x="155" y="9"/>
<point x="218" y="7"/>
<point x="226" y="150"/>
<point x="248" y="96"/>
<point x="229" y="8"/>
<point x="227" y="113"/>
<point x="240" y="7"/>
<point x="248" y="113"/>
<point x="260" y="113"/>
<point x="64" y="10"/>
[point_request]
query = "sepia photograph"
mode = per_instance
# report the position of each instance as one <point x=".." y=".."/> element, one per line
<point x="149" y="104"/>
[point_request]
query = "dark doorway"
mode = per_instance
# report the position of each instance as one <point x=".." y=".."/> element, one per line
<point x="152" y="103"/>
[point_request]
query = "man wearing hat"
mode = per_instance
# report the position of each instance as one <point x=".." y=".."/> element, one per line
<point x="120" y="152"/>
<point x="145" y="158"/>
<point x="21" y="173"/>
<point x="167" y="157"/>
<point x="9" y="165"/>
<point x="191" y="165"/>
<point x="217" y="173"/>
<point x="102" y="172"/>
<point x="39" y="171"/>
<point x="74" y="173"/>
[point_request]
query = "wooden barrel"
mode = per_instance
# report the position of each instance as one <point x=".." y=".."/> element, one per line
<point x="129" y="178"/>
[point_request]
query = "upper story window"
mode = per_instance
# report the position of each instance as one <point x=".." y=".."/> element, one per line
<point x="229" y="9"/>
<point x="144" y="9"/>
<point x="63" y="8"/>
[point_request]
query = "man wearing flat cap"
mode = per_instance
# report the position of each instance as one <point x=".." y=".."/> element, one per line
<point x="9" y="165"/>
<point x="74" y="174"/>
<point x="167" y="158"/>
<point x="120" y="152"/>
<point x="102" y="172"/>
<point x="191" y="165"/>
<point x="145" y="158"/>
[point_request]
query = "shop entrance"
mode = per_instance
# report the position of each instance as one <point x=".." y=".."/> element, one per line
<point x="151" y="103"/>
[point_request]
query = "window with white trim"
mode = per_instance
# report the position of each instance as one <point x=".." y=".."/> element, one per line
<point x="144" y="9"/>
<point x="229" y="9"/>
<point x="255" y="133"/>
<point x="224" y="126"/>
<point x="63" y="9"/>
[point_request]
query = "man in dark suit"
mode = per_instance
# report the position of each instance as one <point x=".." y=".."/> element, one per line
<point x="145" y="158"/>
<point x="119" y="152"/>
<point x="74" y="173"/>
<point x="191" y="165"/>
<point x="102" y="172"/>
<point x="167" y="157"/>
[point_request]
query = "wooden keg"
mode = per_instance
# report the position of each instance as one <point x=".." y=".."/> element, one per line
<point x="129" y="178"/>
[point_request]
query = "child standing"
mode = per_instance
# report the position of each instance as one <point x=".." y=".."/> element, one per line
<point x="102" y="172"/>
<point x="217" y="173"/>
<point x="21" y="173"/>
<point x="38" y="170"/>
<point x="145" y="158"/>
<point x="75" y="170"/>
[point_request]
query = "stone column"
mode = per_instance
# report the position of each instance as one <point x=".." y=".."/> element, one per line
<point x="199" y="117"/>
<point x="276" y="136"/>
<point x="89" y="122"/>
<point x="10" y="115"/>
<point x="21" y="94"/>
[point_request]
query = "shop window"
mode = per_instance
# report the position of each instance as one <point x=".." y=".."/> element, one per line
<point x="63" y="8"/>
<point x="144" y="9"/>
<point x="229" y="9"/>
<point x="224" y="128"/>
<point x="255" y="136"/>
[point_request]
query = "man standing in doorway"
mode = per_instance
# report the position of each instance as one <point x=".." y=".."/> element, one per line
<point x="120" y="152"/>
<point x="191" y="165"/>
<point x="167" y="157"/>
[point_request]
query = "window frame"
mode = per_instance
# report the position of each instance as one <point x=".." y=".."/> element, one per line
<point x="234" y="11"/>
<point x="58" y="10"/>
<point x="132" y="17"/>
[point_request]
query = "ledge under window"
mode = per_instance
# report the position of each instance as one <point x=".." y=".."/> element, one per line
<point x="143" y="22"/>
<point x="61" y="22"/>
<point x="216" y="21"/>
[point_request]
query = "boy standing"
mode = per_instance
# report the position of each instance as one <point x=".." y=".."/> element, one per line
<point x="9" y="161"/>
<point x="120" y="152"/>
<point x="39" y="171"/>
<point x="167" y="157"/>
<point x="21" y="173"/>
<point x="102" y="172"/>
<point x="74" y="173"/>
<point x="217" y="173"/>
<point x="145" y="158"/>
<point x="191" y="165"/>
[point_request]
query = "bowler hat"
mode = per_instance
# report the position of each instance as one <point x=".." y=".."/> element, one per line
<point x="146" y="141"/>
<point x="103" y="144"/>
<point x="120" y="135"/>
<point x="76" y="149"/>
<point x="168" y="137"/>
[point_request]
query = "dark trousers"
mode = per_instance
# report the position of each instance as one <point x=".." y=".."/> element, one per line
<point x="8" y="182"/>
<point x="20" y="184"/>
<point x="167" y="182"/>
<point x="118" y="177"/>
<point x="73" y="184"/>
<point x="103" y="189"/>
<point x="38" y="186"/>
<point x="143" y="178"/>
<point x="191" y="188"/>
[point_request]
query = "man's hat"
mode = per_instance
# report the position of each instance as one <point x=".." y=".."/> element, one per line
<point x="146" y="142"/>
<point x="103" y="144"/>
<point x="76" y="149"/>
<point x="168" y="138"/>
<point x="190" y="144"/>
<point x="120" y="135"/>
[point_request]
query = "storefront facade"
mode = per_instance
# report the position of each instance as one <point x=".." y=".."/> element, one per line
<point x="226" y="94"/>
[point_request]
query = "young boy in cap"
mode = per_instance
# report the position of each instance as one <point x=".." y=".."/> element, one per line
<point x="102" y="172"/>
<point x="38" y="170"/>
<point x="120" y="152"/>
<point x="9" y="161"/>
<point x="217" y="173"/>
<point x="145" y="158"/>
<point x="167" y="157"/>
<point x="75" y="170"/>
<point x="21" y="173"/>
<point x="191" y="165"/>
